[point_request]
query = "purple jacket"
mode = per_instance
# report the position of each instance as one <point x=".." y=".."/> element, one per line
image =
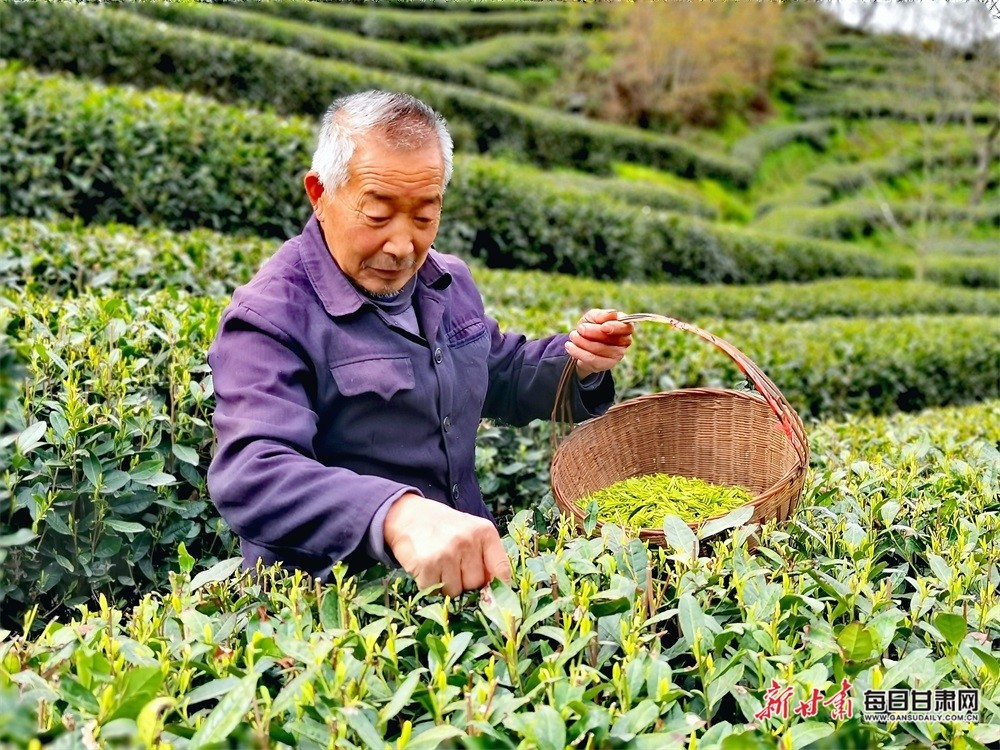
<point x="324" y="413"/>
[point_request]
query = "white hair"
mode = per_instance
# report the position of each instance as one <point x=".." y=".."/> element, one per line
<point x="402" y="120"/>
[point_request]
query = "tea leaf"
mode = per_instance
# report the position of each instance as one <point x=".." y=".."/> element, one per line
<point x="856" y="642"/>
<point x="125" y="527"/>
<point x="940" y="567"/>
<point x="185" y="560"/>
<point x="804" y="734"/>
<point x="732" y="519"/>
<point x="185" y="454"/>
<point x="953" y="627"/>
<point x="680" y="537"/>
<point x="433" y="737"/>
<point x="501" y="605"/>
<point x="150" y="719"/>
<point x="30" y="438"/>
<point x="218" y="572"/>
<point x="360" y="723"/>
<point x="18" y="538"/>
<point x="991" y="662"/>
<point x="401" y="696"/>
<point x="635" y="721"/>
<point x="226" y="716"/>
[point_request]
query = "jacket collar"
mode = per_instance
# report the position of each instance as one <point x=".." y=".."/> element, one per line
<point x="338" y="295"/>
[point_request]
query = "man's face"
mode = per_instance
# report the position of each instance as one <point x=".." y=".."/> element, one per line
<point x="380" y="224"/>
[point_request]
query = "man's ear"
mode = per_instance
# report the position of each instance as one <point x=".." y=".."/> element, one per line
<point x="314" y="188"/>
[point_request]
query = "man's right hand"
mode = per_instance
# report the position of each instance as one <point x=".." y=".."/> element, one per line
<point x="438" y="544"/>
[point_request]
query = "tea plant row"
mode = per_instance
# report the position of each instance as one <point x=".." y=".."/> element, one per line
<point x="123" y="47"/>
<point x="107" y="472"/>
<point x="886" y="578"/>
<point x="111" y="154"/>
<point x="64" y="257"/>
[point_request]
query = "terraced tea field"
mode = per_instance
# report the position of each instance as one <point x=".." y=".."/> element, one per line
<point x="151" y="160"/>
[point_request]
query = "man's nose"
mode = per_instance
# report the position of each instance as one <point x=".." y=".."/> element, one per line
<point x="399" y="245"/>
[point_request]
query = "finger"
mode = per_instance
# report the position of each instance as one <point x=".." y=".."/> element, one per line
<point x="612" y="329"/>
<point x="623" y="342"/>
<point x="599" y="347"/>
<point x="590" y="362"/>
<point x="496" y="561"/>
<point x="597" y="315"/>
<point x="473" y="570"/>
<point x="426" y="577"/>
<point x="451" y="577"/>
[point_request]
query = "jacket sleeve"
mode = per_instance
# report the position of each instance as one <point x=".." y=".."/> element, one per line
<point x="265" y="478"/>
<point x="524" y="376"/>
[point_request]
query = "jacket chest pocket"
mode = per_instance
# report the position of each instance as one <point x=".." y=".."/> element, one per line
<point x="384" y="376"/>
<point x="465" y="334"/>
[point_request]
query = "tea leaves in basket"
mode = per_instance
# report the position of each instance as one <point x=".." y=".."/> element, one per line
<point x="642" y="502"/>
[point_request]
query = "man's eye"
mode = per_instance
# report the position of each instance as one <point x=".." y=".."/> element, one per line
<point x="376" y="219"/>
<point x="425" y="220"/>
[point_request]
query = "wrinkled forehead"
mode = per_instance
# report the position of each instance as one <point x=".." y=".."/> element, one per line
<point x="384" y="168"/>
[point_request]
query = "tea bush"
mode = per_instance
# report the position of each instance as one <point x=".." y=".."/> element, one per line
<point x="122" y="47"/>
<point x="325" y="42"/>
<point x="865" y="103"/>
<point x="107" y="476"/>
<point x="112" y="154"/>
<point x="501" y="216"/>
<point x="428" y="28"/>
<point x="509" y="52"/>
<point x="840" y="180"/>
<point x="981" y="272"/>
<point x="752" y="148"/>
<point x="64" y="257"/>
<point x="850" y="220"/>
<point x="599" y="640"/>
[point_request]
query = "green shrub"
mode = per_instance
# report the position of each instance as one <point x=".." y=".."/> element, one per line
<point x="65" y="258"/>
<point x="327" y="43"/>
<point x="973" y="271"/>
<point x="864" y="103"/>
<point x="429" y="27"/>
<point x="751" y="149"/>
<point x="848" y="298"/>
<point x="462" y="6"/>
<point x="107" y="476"/>
<point x="81" y="149"/>
<point x="513" y="51"/>
<point x="122" y="47"/>
<point x="599" y="641"/>
<point x="109" y="154"/>
<point x="850" y="220"/>
<point x="510" y="223"/>
<point x="845" y="179"/>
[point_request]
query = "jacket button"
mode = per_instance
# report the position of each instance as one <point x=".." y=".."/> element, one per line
<point x="446" y="424"/>
<point x="438" y="356"/>
<point x="454" y="492"/>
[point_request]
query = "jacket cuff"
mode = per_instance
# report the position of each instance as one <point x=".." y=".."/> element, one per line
<point x="593" y="395"/>
<point x="375" y="539"/>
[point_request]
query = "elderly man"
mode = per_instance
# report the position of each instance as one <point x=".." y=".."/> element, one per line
<point x="351" y="373"/>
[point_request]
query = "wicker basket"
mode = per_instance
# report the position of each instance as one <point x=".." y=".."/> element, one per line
<point x="755" y="440"/>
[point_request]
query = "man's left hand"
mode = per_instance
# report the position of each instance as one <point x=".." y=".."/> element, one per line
<point x="599" y="342"/>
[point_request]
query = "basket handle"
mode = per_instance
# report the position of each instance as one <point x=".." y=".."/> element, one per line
<point x="789" y="421"/>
